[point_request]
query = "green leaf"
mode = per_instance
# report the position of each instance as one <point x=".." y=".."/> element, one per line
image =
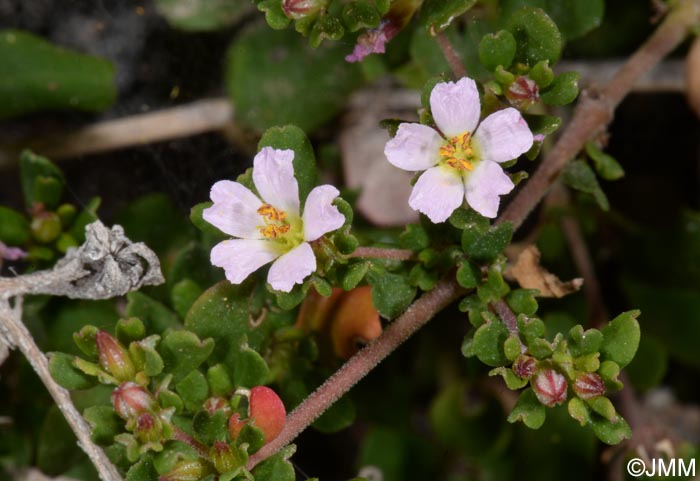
<point x="273" y="79"/>
<point x="468" y="275"/>
<point x="578" y="410"/>
<point x="512" y="381"/>
<point x="361" y="14"/>
<point x="610" y="432"/>
<point x="649" y="366"/>
<point x="528" y="410"/>
<point x="104" y="424"/>
<point x="56" y="449"/>
<point x="537" y="36"/>
<point x="274" y="15"/>
<point x="414" y="237"/>
<point x="130" y="329"/>
<point x="183" y="351"/>
<point x="193" y="390"/>
<point x="42" y="182"/>
<point x="87" y="216"/>
<point x="219" y="380"/>
<point x="579" y="175"/>
<point x="155" y="316"/>
<point x="563" y="90"/>
<point x="485" y="247"/>
<point x="253" y="436"/>
<point x="277" y="467"/>
<point x="183" y="295"/>
<point x="201" y="15"/>
<point x="488" y="342"/>
<point x="143" y="470"/>
<point x="437" y="15"/>
<point x="37" y="75"/>
<point x="523" y="301"/>
<point x="14" y="227"/>
<point x="251" y="369"/>
<point x="354" y="275"/>
<point x="66" y="374"/>
<point x="497" y="49"/>
<point x="575" y="18"/>
<point x="146" y="357"/>
<point x="293" y="138"/>
<point x="391" y="293"/>
<point x="621" y="339"/>
<point x="542" y="124"/>
<point x="606" y="166"/>
<point x="603" y="406"/>
<point x="542" y="74"/>
<point x="584" y="342"/>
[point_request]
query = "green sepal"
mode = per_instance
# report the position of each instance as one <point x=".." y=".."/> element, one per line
<point x="528" y="410"/>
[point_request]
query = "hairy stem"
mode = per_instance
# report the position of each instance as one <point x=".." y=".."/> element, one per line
<point x="451" y="55"/>
<point x="510" y="320"/>
<point x="594" y="110"/>
<point x="383" y="253"/>
<point x="360" y="364"/>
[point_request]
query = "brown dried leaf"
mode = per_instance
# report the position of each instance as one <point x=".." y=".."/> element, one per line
<point x="531" y="275"/>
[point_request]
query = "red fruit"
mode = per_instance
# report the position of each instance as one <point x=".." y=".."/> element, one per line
<point x="235" y="425"/>
<point x="355" y="322"/>
<point x="267" y="411"/>
<point x="589" y="385"/>
<point x="550" y="387"/>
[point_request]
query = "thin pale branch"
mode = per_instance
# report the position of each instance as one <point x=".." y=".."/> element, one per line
<point x="594" y="110"/>
<point x="417" y="315"/>
<point x="383" y="253"/>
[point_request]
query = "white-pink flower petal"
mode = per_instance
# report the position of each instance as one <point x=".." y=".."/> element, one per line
<point x="235" y="210"/>
<point x="273" y="175"/>
<point x="455" y="106"/>
<point x="414" y="147"/>
<point x="484" y="186"/>
<point x="437" y="193"/>
<point x="320" y="215"/>
<point x="292" y="268"/>
<point x="242" y="257"/>
<point x="503" y="136"/>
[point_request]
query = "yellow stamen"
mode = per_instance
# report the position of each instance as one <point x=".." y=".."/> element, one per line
<point x="276" y="224"/>
<point x="272" y="231"/>
<point x="266" y="210"/>
<point x="458" y="153"/>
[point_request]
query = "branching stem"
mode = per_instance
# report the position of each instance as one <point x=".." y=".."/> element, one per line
<point x="383" y="253"/>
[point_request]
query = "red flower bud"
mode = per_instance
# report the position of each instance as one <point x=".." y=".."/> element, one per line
<point x="267" y="411"/>
<point x="148" y="428"/>
<point x="114" y="358"/>
<point x="216" y="403"/>
<point x="524" y="366"/>
<point x="523" y="92"/>
<point x="550" y="387"/>
<point x="589" y="385"/>
<point x="130" y="400"/>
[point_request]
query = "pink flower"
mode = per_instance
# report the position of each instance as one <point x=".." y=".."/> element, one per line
<point x="550" y="387"/>
<point x="271" y="229"/>
<point x="460" y="160"/>
<point x="373" y="41"/>
<point x="11" y="253"/>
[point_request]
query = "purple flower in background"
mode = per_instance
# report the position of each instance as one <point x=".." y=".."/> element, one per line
<point x="270" y="229"/>
<point x="373" y="41"/>
<point x="11" y="253"/>
<point x="460" y="160"/>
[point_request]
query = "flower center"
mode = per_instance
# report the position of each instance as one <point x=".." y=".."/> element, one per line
<point x="458" y="152"/>
<point x="275" y="220"/>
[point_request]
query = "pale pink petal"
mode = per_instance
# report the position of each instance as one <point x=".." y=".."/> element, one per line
<point x="11" y="253"/>
<point x="242" y="257"/>
<point x="455" y="106"/>
<point x="503" y="136"/>
<point x="292" y="268"/>
<point x="273" y="175"/>
<point x="414" y="147"/>
<point x="484" y="186"/>
<point x="235" y="210"/>
<point x="438" y="192"/>
<point x="320" y="215"/>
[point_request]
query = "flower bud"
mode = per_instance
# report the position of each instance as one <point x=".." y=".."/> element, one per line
<point x="46" y="227"/>
<point x="130" y="400"/>
<point x="524" y="366"/>
<point x="114" y="358"/>
<point x="217" y="403"/>
<point x="355" y="322"/>
<point x="550" y="387"/>
<point x="224" y="458"/>
<point x="267" y="411"/>
<point x="191" y="470"/>
<point x="297" y="9"/>
<point x="523" y="92"/>
<point x="148" y="428"/>
<point x="589" y="385"/>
